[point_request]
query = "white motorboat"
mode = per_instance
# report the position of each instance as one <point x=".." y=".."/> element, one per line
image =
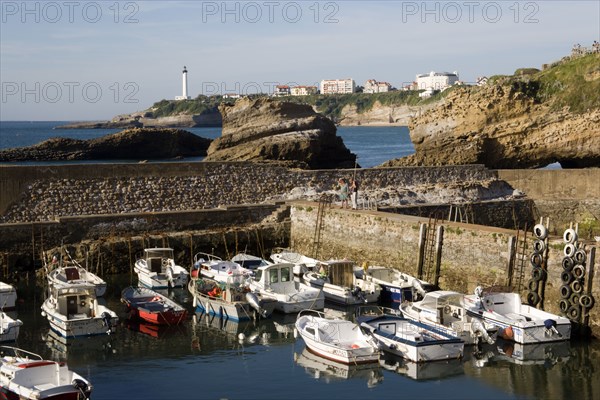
<point x="73" y="311"/>
<point x="339" y="283"/>
<point x="213" y="267"/>
<point x="406" y="338"/>
<point x="249" y="261"/>
<point x="445" y="310"/>
<point x="514" y="320"/>
<point x="156" y="269"/>
<point x="8" y="297"/>
<point x="396" y="286"/>
<point x="302" y="263"/>
<point x="276" y="281"/>
<point x="339" y="340"/>
<point x="9" y="327"/>
<point x="232" y="300"/>
<point x="71" y="272"/>
<point x="27" y="376"/>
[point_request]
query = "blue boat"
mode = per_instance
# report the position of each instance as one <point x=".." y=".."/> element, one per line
<point x="396" y="286"/>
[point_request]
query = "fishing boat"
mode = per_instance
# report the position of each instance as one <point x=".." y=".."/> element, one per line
<point x="276" y="281"/>
<point x="213" y="267"/>
<point x="396" y="286"/>
<point x="9" y="327"/>
<point x="152" y="306"/>
<point x="156" y="269"/>
<point x="406" y="338"/>
<point x="340" y="285"/>
<point x="231" y="300"/>
<point x="514" y="320"/>
<point x="8" y="297"/>
<point x="73" y="310"/>
<point x="302" y="263"/>
<point x="27" y="376"/>
<point x="338" y="340"/>
<point x="71" y="272"/>
<point x="445" y="310"/>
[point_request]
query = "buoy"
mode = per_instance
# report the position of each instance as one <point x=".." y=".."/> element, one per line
<point x="508" y="333"/>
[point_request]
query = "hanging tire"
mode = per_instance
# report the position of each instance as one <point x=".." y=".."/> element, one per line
<point x="540" y="231"/>
<point x="565" y="291"/>
<point x="578" y="271"/>
<point x="574" y="313"/>
<point x="536" y="260"/>
<point x="569" y="250"/>
<point x="577" y="287"/>
<point x="564" y="305"/>
<point x="538" y="274"/>
<point x="586" y="301"/>
<point x="580" y="257"/>
<point x="566" y="277"/>
<point x="568" y="264"/>
<point x="539" y="246"/>
<point x="570" y="236"/>
<point x="533" y="298"/>
<point x="574" y="299"/>
<point x="532" y="285"/>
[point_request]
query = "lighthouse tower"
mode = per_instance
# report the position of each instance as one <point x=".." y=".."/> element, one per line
<point x="184" y="96"/>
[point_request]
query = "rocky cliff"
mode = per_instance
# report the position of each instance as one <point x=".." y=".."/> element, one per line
<point x="381" y="115"/>
<point x="517" y="122"/>
<point x="131" y="144"/>
<point x="264" y="129"/>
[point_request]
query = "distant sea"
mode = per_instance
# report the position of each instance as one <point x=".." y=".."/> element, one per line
<point x="372" y="145"/>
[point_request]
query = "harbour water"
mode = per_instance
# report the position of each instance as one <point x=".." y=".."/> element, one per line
<point x="209" y="358"/>
<point x="372" y="145"/>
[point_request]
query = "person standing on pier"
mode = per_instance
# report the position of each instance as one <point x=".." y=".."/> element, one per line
<point x="354" y="193"/>
<point x="343" y="192"/>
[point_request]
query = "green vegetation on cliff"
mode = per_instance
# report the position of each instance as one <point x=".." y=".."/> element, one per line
<point x="199" y="106"/>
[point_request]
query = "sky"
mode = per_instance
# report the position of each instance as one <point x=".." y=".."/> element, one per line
<point x="92" y="60"/>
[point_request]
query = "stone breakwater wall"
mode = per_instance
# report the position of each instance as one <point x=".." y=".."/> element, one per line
<point x="44" y="193"/>
<point x="472" y="255"/>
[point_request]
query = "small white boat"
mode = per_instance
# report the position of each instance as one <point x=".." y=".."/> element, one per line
<point x="339" y="283"/>
<point x="302" y="263"/>
<point x="213" y="267"/>
<point x="27" y="376"/>
<point x="396" y="286"/>
<point x="232" y="300"/>
<point x="406" y="338"/>
<point x="9" y="327"/>
<point x="444" y="310"/>
<point x="71" y="272"/>
<point x="514" y="320"/>
<point x="8" y="297"/>
<point x="276" y="281"/>
<point x="339" y="340"/>
<point x="249" y="261"/>
<point x="73" y="311"/>
<point x="156" y="269"/>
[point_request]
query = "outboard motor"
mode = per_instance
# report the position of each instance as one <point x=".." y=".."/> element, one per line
<point x="358" y="293"/>
<point x="84" y="389"/>
<point x="419" y="288"/>
<point x="550" y="326"/>
<point x="478" y="328"/>
<point x="106" y="321"/>
<point x="252" y="299"/>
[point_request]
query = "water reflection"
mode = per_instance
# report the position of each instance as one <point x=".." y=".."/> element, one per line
<point x="323" y="369"/>
<point x="436" y="370"/>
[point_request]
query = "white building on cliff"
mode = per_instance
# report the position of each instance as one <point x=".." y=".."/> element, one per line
<point x="372" y="86"/>
<point x="337" y="86"/>
<point x="436" y="80"/>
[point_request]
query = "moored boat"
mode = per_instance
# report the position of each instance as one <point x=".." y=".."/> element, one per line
<point x="73" y="310"/>
<point x="213" y="267"/>
<point x="302" y="263"/>
<point x="276" y="281"/>
<point x="9" y="327"/>
<point x="406" y="338"/>
<point x="514" y="320"/>
<point x="396" y="286"/>
<point x="61" y="271"/>
<point x="231" y="300"/>
<point x="27" y="376"/>
<point x="152" y="306"/>
<point x="156" y="269"/>
<point x="8" y="297"/>
<point x="249" y="261"/>
<point x="444" y="310"/>
<point x="335" y="339"/>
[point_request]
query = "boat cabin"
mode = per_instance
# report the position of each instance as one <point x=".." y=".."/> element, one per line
<point x="277" y="277"/>
<point x="340" y="273"/>
<point x="157" y="258"/>
<point x="75" y="301"/>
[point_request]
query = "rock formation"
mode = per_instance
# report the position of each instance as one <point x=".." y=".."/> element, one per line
<point x="135" y="144"/>
<point x="510" y="125"/>
<point x="381" y="115"/>
<point x="269" y="130"/>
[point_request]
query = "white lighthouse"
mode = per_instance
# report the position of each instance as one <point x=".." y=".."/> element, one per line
<point x="184" y="95"/>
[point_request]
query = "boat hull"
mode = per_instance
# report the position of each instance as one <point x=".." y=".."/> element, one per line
<point x="79" y="326"/>
<point x="8" y="297"/>
<point x="234" y="311"/>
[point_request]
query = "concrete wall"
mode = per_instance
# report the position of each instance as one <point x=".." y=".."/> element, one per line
<point x="473" y="255"/>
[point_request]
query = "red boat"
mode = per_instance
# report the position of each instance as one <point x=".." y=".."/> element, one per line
<point x="152" y="306"/>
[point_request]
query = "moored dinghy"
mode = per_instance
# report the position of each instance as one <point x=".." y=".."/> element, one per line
<point x="396" y="286"/>
<point x="152" y="306"/>
<point x="27" y="376"/>
<point x="335" y="339"/>
<point x="9" y="327"/>
<point x="406" y="338"/>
